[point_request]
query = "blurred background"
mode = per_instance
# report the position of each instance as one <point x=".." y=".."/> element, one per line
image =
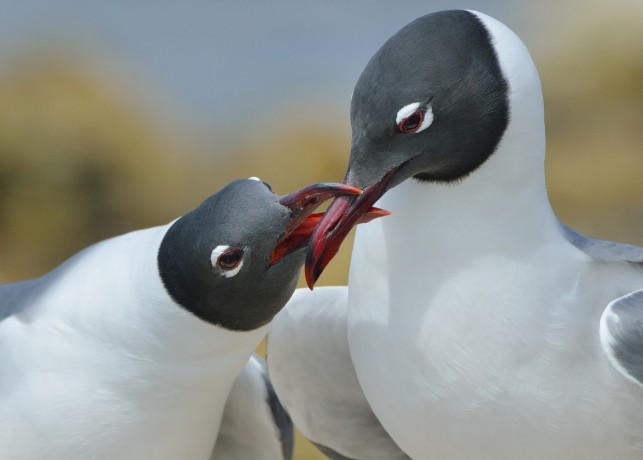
<point x="121" y="115"/>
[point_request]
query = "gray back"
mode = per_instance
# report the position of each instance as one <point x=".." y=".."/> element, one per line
<point x="604" y="251"/>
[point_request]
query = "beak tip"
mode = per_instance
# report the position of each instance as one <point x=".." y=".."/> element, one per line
<point x="310" y="280"/>
<point x="311" y="270"/>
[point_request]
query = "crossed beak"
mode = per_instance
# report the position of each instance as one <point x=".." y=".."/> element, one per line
<point x="303" y="222"/>
<point x="342" y="215"/>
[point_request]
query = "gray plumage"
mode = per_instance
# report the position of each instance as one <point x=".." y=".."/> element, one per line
<point x="623" y="318"/>
<point x="280" y="416"/>
<point x="623" y="322"/>
<point x="330" y="453"/>
<point x="15" y="298"/>
<point x="604" y="251"/>
<point x="255" y="426"/>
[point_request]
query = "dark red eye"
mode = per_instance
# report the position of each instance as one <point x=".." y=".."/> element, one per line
<point x="412" y="123"/>
<point x="230" y="259"/>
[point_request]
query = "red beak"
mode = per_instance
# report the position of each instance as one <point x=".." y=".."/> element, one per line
<point x="302" y="224"/>
<point x="300" y="236"/>
<point x="342" y="215"/>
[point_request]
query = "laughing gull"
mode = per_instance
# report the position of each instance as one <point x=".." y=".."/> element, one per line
<point x="129" y="349"/>
<point x="479" y="326"/>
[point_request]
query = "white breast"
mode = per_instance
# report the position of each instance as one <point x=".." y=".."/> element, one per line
<point x="107" y="366"/>
<point x="469" y="351"/>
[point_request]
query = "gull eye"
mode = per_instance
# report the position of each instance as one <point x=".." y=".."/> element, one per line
<point x="411" y="123"/>
<point x="414" y="117"/>
<point x="228" y="259"/>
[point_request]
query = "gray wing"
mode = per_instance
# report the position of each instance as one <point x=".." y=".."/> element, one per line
<point x="621" y="329"/>
<point x="254" y="424"/>
<point x="15" y="298"/>
<point x="605" y="251"/>
<point x="622" y="335"/>
<point x="311" y="369"/>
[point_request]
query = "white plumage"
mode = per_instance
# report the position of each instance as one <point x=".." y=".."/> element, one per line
<point x="106" y="370"/>
<point x="474" y="315"/>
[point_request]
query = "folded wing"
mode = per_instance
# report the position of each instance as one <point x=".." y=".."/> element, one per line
<point x="311" y="369"/>
<point x="254" y="425"/>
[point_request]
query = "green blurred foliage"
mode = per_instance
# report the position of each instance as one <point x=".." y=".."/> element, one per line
<point x="79" y="161"/>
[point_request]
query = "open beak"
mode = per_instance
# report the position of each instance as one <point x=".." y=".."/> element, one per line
<point x="342" y="215"/>
<point x="302" y="224"/>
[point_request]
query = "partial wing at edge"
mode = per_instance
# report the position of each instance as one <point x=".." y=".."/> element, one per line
<point x="605" y="251"/>
<point x="622" y="335"/>
<point x="311" y="369"/>
<point x="254" y="424"/>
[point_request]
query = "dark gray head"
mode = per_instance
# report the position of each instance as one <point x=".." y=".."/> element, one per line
<point x="234" y="261"/>
<point x="432" y="104"/>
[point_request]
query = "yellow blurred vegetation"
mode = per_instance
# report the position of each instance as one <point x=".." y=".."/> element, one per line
<point x="593" y="87"/>
<point x="79" y="161"/>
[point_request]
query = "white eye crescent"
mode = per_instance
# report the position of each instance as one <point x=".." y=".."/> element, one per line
<point x="414" y="118"/>
<point x="254" y="178"/>
<point x="227" y="259"/>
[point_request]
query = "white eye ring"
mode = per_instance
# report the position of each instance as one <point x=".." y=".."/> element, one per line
<point x="409" y="109"/>
<point x="214" y="257"/>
